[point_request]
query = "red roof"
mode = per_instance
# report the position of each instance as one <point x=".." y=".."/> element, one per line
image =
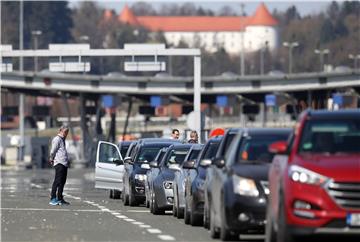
<point x="127" y="16"/>
<point x="198" y="23"/>
<point x="263" y="17"/>
<point x="193" y="23"/>
<point x="108" y="14"/>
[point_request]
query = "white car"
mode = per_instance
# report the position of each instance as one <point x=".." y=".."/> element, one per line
<point x="109" y="169"/>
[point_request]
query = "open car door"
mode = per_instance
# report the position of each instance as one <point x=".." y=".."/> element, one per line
<point x="108" y="175"/>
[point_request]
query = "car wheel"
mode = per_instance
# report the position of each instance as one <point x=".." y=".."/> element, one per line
<point x="270" y="234"/>
<point x="225" y="233"/>
<point x="186" y="213"/>
<point x="132" y="199"/>
<point x="151" y="202"/>
<point x="111" y="194"/>
<point x="125" y="197"/>
<point x="206" y="221"/>
<point x="214" y="232"/>
<point x="116" y="194"/>
<point x="175" y="204"/>
<point x="283" y="233"/>
<point x="157" y="210"/>
<point x="194" y="219"/>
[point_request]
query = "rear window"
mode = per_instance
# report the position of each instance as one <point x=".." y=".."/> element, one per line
<point x="176" y="157"/>
<point x="331" y="136"/>
<point x="255" y="148"/>
<point x="148" y="154"/>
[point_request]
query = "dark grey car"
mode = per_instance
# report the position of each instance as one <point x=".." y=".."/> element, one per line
<point x="161" y="189"/>
<point x="179" y="180"/>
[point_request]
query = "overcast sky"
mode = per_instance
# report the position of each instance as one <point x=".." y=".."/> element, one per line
<point x="304" y="7"/>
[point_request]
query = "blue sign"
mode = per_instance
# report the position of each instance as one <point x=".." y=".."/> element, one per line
<point x="270" y="100"/>
<point x="338" y="99"/>
<point x="108" y="101"/>
<point x="155" y="101"/>
<point x="222" y="101"/>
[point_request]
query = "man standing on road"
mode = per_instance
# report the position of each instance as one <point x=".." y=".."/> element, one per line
<point x="59" y="159"/>
<point x="175" y="134"/>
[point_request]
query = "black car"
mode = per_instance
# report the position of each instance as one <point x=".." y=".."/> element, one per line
<point x="194" y="182"/>
<point x="239" y="187"/>
<point x="124" y="146"/>
<point x="223" y="147"/>
<point x="136" y="166"/>
<point x="152" y="173"/>
<point x="161" y="188"/>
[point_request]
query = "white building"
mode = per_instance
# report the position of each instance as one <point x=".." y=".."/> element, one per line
<point x="212" y="32"/>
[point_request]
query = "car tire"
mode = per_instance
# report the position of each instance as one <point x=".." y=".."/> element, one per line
<point x="157" y="210"/>
<point x="195" y="220"/>
<point x="174" y="210"/>
<point x="225" y="233"/>
<point x="214" y="231"/>
<point x="111" y="194"/>
<point x="132" y="199"/>
<point x="186" y="213"/>
<point x="270" y="234"/>
<point x="125" y="197"/>
<point x="151" y="202"/>
<point x="116" y="194"/>
<point x="206" y="221"/>
<point x="283" y="233"/>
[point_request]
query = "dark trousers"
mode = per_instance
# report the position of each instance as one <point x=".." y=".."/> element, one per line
<point x="59" y="181"/>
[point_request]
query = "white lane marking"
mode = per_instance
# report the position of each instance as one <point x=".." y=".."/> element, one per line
<point x="138" y="211"/>
<point x="165" y="237"/>
<point x="89" y="202"/>
<point x="144" y="226"/>
<point x="154" y="231"/>
<point x="137" y="223"/>
<point x="105" y="210"/>
<point x="129" y="220"/>
<point x="121" y="216"/>
<point x="52" y="209"/>
<point x="36" y="185"/>
<point x="115" y="214"/>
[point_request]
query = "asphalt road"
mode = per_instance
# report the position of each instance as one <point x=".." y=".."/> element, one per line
<point x="91" y="216"/>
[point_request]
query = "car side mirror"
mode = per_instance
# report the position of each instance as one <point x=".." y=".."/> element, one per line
<point x="128" y="160"/>
<point x="205" y="162"/>
<point x="174" y="167"/>
<point x="189" y="164"/>
<point x="117" y="161"/>
<point x="154" y="164"/>
<point x="279" y="147"/>
<point x="219" y="162"/>
<point x="145" y="166"/>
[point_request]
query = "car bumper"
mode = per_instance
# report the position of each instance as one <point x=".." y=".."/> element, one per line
<point x="245" y="213"/>
<point x="164" y="198"/>
<point x="139" y="189"/>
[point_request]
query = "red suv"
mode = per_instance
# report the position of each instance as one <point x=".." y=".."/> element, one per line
<point x="314" y="179"/>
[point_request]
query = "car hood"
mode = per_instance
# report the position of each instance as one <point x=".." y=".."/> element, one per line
<point x="258" y="172"/>
<point x="340" y="167"/>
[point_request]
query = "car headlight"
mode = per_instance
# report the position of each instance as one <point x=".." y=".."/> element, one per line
<point x="244" y="186"/>
<point x="302" y="175"/>
<point x="168" y="185"/>
<point x="200" y="184"/>
<point x="140" y="177"/>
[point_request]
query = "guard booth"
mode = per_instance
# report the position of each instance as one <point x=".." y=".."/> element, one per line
<point x="40" y="152"/>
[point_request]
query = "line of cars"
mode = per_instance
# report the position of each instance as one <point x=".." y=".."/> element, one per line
<point x="224" y="186"/>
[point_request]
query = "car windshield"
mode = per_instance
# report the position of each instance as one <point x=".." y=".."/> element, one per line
<point x="148" y="154"/>
<point x="211" y="151"/>
<point x="331" y="136"/>
<point x="176" y="157"/>
<point x="194" y="154"/>
<point x="255" y="148"/>
<point x="229" y="138"/>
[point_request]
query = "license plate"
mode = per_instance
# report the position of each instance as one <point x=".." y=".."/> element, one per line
<point x="353" y="219"/>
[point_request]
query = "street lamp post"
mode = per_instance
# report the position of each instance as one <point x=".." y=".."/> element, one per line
<point x="290" y="45"/>
<point x="35" y="35"/>
<point x="321" y="53"/>
<point x="355" y="58"/>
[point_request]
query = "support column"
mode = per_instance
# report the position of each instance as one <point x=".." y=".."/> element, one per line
<point x="84" y="130"/>
<point x="197" y="96"/>
<point x="309" y="99"/>
<point x="127" y="117"/>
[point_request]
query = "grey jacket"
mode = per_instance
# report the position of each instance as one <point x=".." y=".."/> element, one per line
<point x="58" y="152"/>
